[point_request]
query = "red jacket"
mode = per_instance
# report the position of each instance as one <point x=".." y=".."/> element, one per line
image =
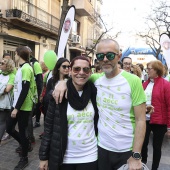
<point x="161" y="101"/>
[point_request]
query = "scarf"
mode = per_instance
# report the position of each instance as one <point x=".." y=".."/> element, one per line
<point x="79" y="102"/>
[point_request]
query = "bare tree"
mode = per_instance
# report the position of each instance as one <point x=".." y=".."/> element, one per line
<point x="158" y="22"/>
<point x="106" y="30"/>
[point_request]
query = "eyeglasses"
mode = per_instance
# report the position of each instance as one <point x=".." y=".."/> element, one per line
<point x="149" y="69"/>
<point x="65" y="66"/>
<point x="86" y="70"/>
<point x="127" y="64"/>
<point x="1" y="63"/>
<point x="109" y="55"/>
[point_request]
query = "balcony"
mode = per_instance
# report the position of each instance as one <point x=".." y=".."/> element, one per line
<point x="29" y="17"/>
<point x="94" y="15"/>
<point x="83" y="7"/>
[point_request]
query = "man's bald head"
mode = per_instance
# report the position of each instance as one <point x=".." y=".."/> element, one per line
<point x="109" y="41"/>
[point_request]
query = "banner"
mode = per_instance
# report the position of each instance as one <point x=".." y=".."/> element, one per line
<point x="165" y="46"/>
<point x="67" y="25"/>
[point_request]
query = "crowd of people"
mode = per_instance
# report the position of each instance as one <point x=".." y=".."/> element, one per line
<point x="96" y="117"/>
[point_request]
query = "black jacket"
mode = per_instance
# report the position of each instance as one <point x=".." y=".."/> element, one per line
<point x="54" y="142"/>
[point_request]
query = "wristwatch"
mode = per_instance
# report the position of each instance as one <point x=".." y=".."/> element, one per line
<point x="136" y="155"/>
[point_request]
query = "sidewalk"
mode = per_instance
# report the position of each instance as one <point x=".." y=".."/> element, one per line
<point x="9" y="158"/>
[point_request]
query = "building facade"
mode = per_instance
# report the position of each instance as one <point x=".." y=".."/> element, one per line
<point x="35" y="23"/>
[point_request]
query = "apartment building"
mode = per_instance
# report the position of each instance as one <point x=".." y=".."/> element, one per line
<point x="36" y="22"/>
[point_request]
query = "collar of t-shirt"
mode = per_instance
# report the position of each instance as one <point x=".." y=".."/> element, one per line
<point x="22" y="64"/>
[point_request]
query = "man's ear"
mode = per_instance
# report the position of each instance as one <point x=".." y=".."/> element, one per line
<point x="119" y="56"/>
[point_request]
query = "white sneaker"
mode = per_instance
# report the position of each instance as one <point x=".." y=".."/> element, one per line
<point x="5" y="137"/>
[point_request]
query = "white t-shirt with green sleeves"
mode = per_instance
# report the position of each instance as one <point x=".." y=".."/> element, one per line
<point x="115" y="100"/>
<point x="82" y="142"/>
<point x="24" y="73"/>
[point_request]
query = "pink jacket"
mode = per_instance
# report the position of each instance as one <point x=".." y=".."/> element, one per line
<point x="160" y="101"/>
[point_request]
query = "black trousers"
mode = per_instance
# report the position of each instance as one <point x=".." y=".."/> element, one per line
<point x="158" y="136"/>
<point x="22" y="135"/>
<point x="108" y="160"/>
<point x="81" y="166"/>
<point x="37" y="112"/>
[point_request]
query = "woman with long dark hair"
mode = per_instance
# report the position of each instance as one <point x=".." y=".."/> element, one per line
<point x="60" y="72"/>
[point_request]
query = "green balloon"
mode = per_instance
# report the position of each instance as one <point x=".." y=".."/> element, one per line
<point x="50" y="59"/>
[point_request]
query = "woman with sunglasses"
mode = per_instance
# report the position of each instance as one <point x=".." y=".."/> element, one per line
<point x="6" y="85"/>
<point x="60" y="72"/>
<point x="69" y="141"/>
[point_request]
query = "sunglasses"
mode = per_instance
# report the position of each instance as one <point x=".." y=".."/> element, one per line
<point x="1" y="63"/>
<point x="86" y="70"/>
<point x="109" y="55"/>
<point x="64" y="66"/>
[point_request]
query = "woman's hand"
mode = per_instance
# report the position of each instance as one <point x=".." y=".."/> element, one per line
<point x="149" y="109"/>
<point x="43" y="165"/>
<point x="14" y="113"/>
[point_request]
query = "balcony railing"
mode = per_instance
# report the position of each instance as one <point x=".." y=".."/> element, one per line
<point x="34" y="15"/>
<point x="94" y="15"/>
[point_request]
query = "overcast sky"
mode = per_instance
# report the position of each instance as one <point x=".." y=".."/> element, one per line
<point x="126" y="16"/>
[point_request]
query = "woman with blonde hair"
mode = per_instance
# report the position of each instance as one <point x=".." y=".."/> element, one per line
<point x="135" y="69"/>
<point x="6" y="85"/>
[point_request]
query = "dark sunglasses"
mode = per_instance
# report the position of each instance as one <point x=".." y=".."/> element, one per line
<point x="1" y="63"/>
<point x="86" y="70"/>
<point x="64" y="66"/>
<point x="109" y="56"/>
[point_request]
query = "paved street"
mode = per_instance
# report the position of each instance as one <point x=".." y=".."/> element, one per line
<point x="8" y="157"/>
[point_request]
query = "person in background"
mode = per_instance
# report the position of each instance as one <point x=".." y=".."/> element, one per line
<point x="166" y="74"/>
<point x="6" y="85"/>
<point x="120" y="65"/>
<point x="93" y="69"/>
<point x="60" y="72"/>
<point x="144" y="73"/>
<point x="71" y="126"/>
<point x="127" y="62"/>
<point x="39" y="82"/>
<point x="25" y="93"/>
<point x="44" y="68"/>
<point x="135" y="69"/>
<point x="98" y="69"/>
<point x="8" y="56"/>
<point x="157" y="91"/>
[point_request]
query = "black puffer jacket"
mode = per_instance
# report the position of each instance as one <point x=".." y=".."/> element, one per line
<point x="54" y="142"/>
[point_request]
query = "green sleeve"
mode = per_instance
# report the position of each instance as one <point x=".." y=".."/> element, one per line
<point x="26" y="74"/>
<point x="138" y="94"/>
<point x="14" y="71"/>
<point x="11" y="79"/>
<point x="37" y="68"/>
<point x="95" y="76"/>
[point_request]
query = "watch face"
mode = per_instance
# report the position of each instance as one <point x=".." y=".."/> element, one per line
<point x="136" y="155"/>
